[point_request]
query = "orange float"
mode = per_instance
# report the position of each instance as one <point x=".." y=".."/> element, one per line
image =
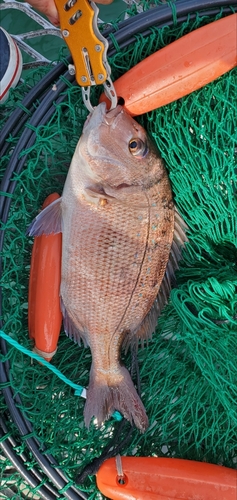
<point x="149" y="478"/>
<point x="45" y="317"/>
<point x="180" y="68"/>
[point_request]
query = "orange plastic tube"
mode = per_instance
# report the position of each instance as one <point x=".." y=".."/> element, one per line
<point x="166" y="479"/>
<point x="44" y="316"/>
<point x="180" y="68"/>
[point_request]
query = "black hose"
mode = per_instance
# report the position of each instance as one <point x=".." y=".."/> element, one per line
<point x="123" y="43"/>
<point x="25" y="429"/>
<point x="40" y="117"/>
<point x="37" y="91"/>
<point x="25" y="474"/>
<point x="13" y="445"/>
<point x="27" y="423"/>
<point x="159" y="16"/>
<point x="163" y="14"/>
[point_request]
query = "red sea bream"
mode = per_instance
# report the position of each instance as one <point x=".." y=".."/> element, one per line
<point x="121" y="245"/>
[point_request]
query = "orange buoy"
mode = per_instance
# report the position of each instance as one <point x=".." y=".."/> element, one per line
<point x="150" y="478"/>
<point x="44" y="313"/>
<point x="180" y="68"/>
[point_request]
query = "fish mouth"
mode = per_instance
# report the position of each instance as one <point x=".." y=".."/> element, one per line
<point x="112" y="113"/>
<point x="95" y="118"/>
<point x="100" y="115"/>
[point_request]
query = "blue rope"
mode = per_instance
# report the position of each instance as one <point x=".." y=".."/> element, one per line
<point x="78" y="389"/>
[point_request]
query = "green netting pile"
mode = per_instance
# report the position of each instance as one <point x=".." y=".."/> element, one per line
<point x="189" y="369"/>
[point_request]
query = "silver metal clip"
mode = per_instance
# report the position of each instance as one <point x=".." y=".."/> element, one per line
<point x="110" y="92"/>
<point x="109" y="89"/>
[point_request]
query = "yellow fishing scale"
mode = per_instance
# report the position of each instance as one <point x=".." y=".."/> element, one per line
<point x="78" y="23"/>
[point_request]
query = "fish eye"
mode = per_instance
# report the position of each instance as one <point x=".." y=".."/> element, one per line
<point x="138" y="148"/>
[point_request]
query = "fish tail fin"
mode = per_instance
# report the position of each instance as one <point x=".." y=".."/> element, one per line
<point x="103" y="398"/>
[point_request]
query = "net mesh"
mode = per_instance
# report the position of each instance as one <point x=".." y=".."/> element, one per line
<point x="189" y="369"/>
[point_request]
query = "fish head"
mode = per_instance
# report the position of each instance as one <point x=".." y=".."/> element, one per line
<point x="118" y="150"/>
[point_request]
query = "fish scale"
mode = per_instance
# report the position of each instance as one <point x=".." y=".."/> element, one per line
<point x="105" y="303"/>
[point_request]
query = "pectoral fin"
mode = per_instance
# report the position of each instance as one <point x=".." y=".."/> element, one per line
<point x="48" y="221"/>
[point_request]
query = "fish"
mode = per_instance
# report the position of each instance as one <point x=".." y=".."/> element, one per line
<point x="121" y="243"/>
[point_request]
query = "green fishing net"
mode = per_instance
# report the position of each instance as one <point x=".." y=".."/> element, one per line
<point x="188" y="370"/>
